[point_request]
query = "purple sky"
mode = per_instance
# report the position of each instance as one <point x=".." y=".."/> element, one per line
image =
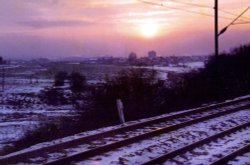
<point x="60" y="28"/>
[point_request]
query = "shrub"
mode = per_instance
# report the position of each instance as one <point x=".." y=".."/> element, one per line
<point x="60" y="77"/>
<point x="224" y="77"/>
<point x="53" y="96"/>
<point x="137" y="88"/>
<point x="77" y="82"/>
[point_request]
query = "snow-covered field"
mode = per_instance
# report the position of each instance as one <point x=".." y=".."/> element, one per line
<point x="21" y="110"/>
<point x="182" y="68"/>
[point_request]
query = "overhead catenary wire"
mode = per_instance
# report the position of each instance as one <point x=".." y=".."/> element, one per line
<point x="238" y="23"/>
<point x="191" y="4"/>
<point x="204" y="14"/>
<point x="180" y="9"/>
<point x="233" y="22"/>
<point x="233" y="14"/>
<point x="206" y="6"/>
<point x="239" y="15"/>
<point x="176" y="8"/>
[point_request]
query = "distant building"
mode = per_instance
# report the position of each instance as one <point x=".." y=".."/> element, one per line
<point x="152" y="55"/>
<point x="2" y="61"/>
<point x="132" y="58"/>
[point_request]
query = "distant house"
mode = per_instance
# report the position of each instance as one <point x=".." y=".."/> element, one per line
<point x="132" y="58"/>
<point x="1" y="60"/>
<point x="152" y="55"/>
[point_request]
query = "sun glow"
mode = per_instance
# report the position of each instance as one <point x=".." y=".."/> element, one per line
<point x="148" y="30"/>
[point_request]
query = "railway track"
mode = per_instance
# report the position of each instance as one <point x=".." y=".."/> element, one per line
<point x="218" y="159"/>
<point x="233" y="158"/>
<point x="233" y="155"/>
<point x="89" y="146"/>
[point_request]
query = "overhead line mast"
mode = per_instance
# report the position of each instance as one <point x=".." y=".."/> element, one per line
<point x="216" y="28"/>
<point x="216" y="18"/>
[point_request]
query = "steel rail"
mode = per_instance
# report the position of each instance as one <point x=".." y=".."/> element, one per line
<point x="70" y="143"/>
<point x="189" y="147"/>
<point x="227" y="158"/>
<point x="108" y="147"/>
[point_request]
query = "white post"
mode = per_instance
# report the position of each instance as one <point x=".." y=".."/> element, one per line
<point x="120" y="110"/>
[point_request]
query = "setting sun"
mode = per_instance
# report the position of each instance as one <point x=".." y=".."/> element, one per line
<point x="148" y="30"/>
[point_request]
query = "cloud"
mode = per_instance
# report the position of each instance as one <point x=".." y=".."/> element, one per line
<point x="93" y="27"/>
<point x="56" y="23"/>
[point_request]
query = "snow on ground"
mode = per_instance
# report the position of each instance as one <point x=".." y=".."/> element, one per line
<point x="14" y="122"/>
<point x="19" y="101"/>
<point x="10" y="66"/>
<point x="212" y="151"/>
<point x="195" y="65"/>
<point x="162" y="71"/>
<point x="12" y="131"/>
<point x="142" y="151"/>
<point x="21" y="110"/>
<point x="25" y="85"/>
<point x="243" y="160"/>
<point x="83" y="134"/>
<point x="87" y="133"/>
<point x="177" y="69"/>
<point x="182" y="68"/>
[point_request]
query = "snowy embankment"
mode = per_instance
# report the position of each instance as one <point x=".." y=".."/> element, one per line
<point x="141" y="151"/>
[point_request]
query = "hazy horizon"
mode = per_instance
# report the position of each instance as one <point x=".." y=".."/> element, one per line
<point x="60" y="28"/>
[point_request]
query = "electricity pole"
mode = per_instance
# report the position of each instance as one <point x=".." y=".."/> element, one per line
<point x="216" y="51"/>
<point x="216" y="29"/>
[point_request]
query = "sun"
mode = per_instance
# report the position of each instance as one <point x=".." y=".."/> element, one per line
<point x="148" y="30"/>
